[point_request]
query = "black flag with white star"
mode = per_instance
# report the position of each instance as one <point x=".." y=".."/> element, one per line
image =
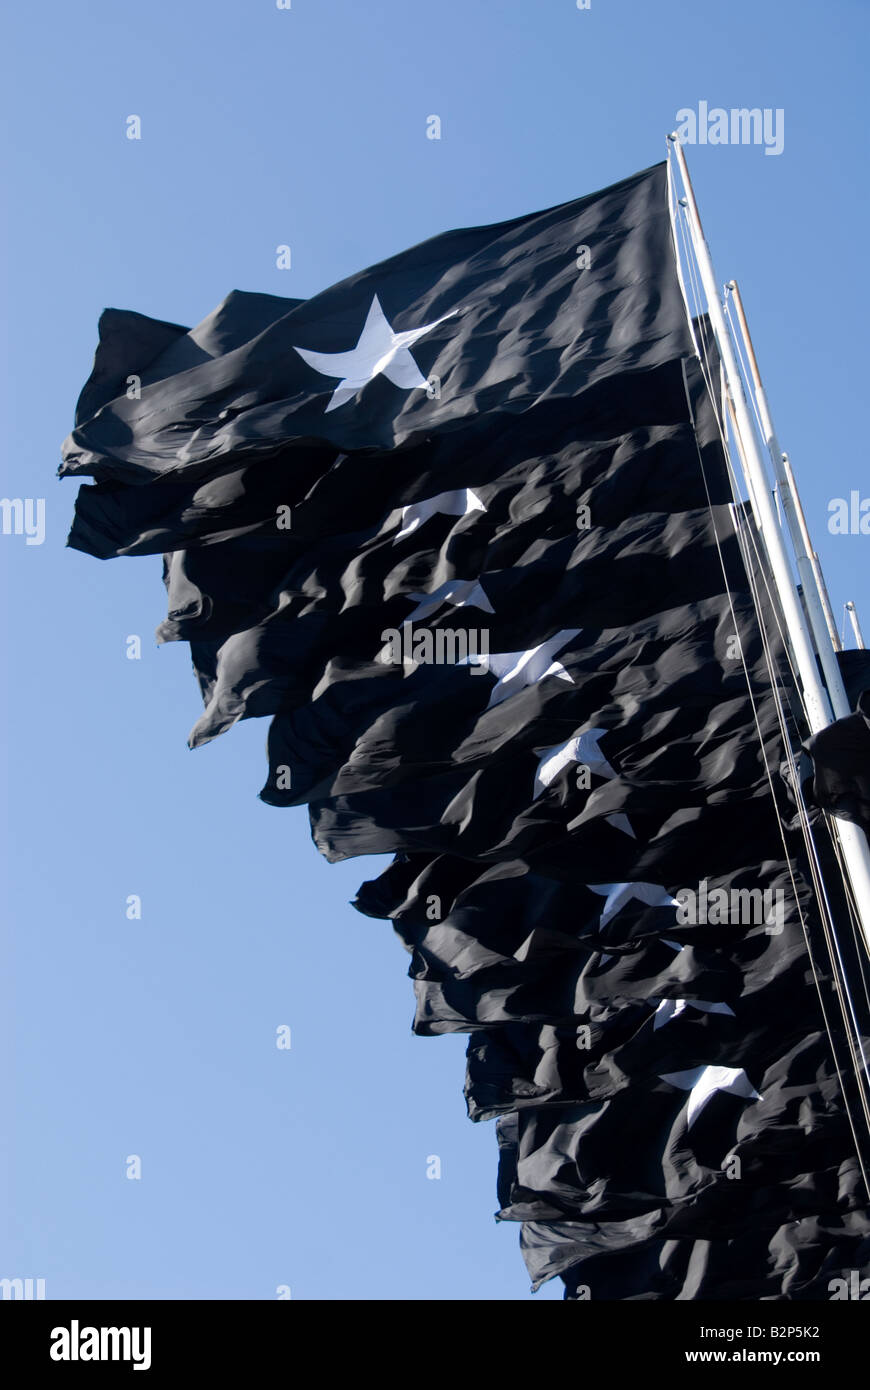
<point x="480" y="322"/>
<point x="462" y="527"/>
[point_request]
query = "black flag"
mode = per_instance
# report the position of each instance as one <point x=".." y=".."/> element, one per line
<point x="841" y="765"/>
<point x="463" y="526"/>
<point x="485" y="321"/>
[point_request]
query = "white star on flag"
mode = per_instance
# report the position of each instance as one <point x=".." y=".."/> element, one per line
<point x="672" y="1008"/>
<point x="380" y="350"/>
<point x="618" y="894"/>
<point x="456" y="592"/>
<point x="457" y="503"/>
<point x="703" y="1082"/>
<point x="581" y="749"/>
<point x="515" y="670"/>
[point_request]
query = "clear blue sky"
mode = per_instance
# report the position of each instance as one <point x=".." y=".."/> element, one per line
<point x="307" y="127"/>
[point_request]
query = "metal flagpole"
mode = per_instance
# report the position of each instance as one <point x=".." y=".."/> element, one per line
<point x="856" y="853"/>
<point x="799" y="534"/>
<point x="856" y="626"/>
<point x="821" y="586"/>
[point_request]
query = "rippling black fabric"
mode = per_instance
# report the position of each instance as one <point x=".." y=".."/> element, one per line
<point x="841" y="765"/>
<point x="665" y="1083"/>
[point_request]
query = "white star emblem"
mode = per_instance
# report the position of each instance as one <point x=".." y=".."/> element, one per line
<point x="457" y="503"/>
<point x="582" y="749"/>
<point x="703" y="1082"/>
<point x="515" y="670"/>
<point x="456" y="592"/>
<point x="672" y="1008"/>
<point x="380" y="350"/>
<point x="618" y="894"/>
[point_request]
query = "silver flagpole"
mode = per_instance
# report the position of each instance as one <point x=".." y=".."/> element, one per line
<point x="799" y="535"/>
<point x="856" y="626"/>
<point x="853" y="842"/>
<point x="821" y="586"/>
